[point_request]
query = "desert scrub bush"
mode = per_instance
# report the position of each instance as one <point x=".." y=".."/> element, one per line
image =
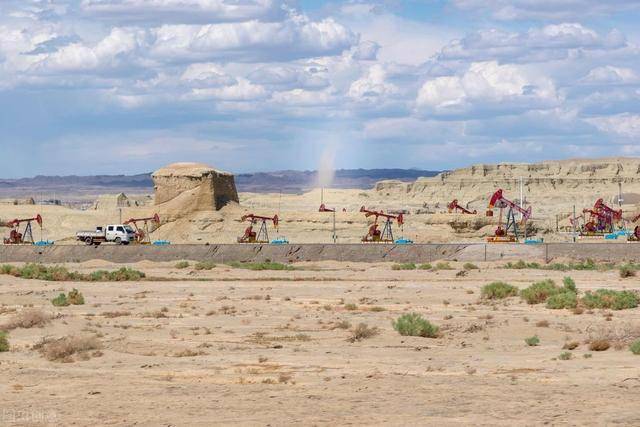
<point x="267" y="265"/>
<point x="60" y="300"/>
<point x="205" y="265"/>
<point x="569" y="284"/>
<point x="521" y="265"/>
<point x="470" y="266"/>
<point x="123" y="274"/>
<point x="443" y="266"/>
<point x="635" y="347"/>
<point x="565" y="355"/>
<point x="405" y="266"/>
<point x="627" y="270"/>
<point x="498" y="290"/>
<point x="182" y="264"/>
<point x="350" y="306"/>
<point x="532" y="341"/>
<point x="539" y="292"/>
<point x="74" y="297"/>
<point x="414" y="325"/>
<point x="361" y="332"/>
<point x="40" y="272"/>
<point x="58" y="273"/>
<point x="425" y="266"/>
<point x="31" y="318"/>
<point x="610" y="299"/>
<point x="62" y="349"/>
<point x="562" y="300"/>
<point x="599" y="345"/>
<point x="4" y="341"/>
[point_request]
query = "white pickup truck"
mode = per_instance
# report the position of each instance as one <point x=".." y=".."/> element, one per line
<point x="119" y="234"/>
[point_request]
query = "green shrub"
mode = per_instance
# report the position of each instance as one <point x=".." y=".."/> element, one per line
<point x="557" y="266"/>
<point x="74" y="297"/>
<point x="498" y="290"/>
<point x="350" y="307"/>
<point x="532" y="341"/>
<point x="405" y="266"/>
<point x="205" y="265"/>
<point x="565" y="355"/>
<point x="627" y="270"/>
<point x="58" y="273"/>
<point x="585" y="265"/>
<point x="569" y="284"/>
<point x="413" y="324"/>
<point x="122" y="275"/>
<point x="635" y="347"/>
<point x="520" y="265"/>
<point x="425" y="266"/>
<point x="60" y="301"/>
<point x="182" y="264"/>
<point x="4" y="341"/>
<point x="610" y="299"/>
<point x="562" y="300"/>
<point x="539" y="292"/>
<point x="470" y="266"/>
<point x="267" y="265"/>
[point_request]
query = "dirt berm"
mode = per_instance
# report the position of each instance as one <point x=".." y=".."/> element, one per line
<point x="320" y="252"/>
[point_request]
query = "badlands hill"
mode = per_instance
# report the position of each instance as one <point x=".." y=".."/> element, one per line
<point x="551" y="188"/>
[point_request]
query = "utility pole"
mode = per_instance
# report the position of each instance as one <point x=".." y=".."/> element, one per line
<point x="335" y="237"/>
<point x="573" y="223"/>
<point x="620" y="193"/>
<point x="521" y="198"/>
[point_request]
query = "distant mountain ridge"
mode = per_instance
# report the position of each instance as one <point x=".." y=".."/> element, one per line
<point x="288" y="181"/>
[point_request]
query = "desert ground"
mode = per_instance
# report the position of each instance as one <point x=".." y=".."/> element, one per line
<point x="229" y="345"/>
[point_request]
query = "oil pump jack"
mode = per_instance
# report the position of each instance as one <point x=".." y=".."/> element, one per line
<point x="323" y="208"/>
<point x="143" y="234"/>
<point x="635" y="236"/>
<point x="262" y="236"/>
<point x="15" y="236"/>
<point x="602" y="219"/>
<point x="508" y="233"/>
<point x="374" y="234"/>
<point x="455" y="207"/>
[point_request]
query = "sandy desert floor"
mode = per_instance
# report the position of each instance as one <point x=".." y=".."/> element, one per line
<point x="272" y="348"/>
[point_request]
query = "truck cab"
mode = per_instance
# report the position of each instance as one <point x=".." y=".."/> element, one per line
<point x="119" y="234"/>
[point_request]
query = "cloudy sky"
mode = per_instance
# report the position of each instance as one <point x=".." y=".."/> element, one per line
<point x="125" y="86"/>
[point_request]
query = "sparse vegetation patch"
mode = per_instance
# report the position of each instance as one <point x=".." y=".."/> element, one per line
<point x="610" y="299"/>
<point x="267" y="265"/>
<point x="405" y="266"/>
<point x="413" y="324"/>
<point x="498" y="290"/>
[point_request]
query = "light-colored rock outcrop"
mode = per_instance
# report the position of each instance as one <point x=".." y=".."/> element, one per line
<point x="551" y="187"/>
<point x="197" y="186"/>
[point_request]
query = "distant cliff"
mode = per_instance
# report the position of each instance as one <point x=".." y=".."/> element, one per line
<point x="550" y="186"/>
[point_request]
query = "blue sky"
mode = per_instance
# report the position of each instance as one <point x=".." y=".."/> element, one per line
<point x="126" y="86"/>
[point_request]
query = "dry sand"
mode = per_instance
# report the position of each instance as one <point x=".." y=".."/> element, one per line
<point x="265" y="350"/>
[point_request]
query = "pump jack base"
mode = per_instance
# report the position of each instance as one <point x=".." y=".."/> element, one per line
<point x="502" y="239"/>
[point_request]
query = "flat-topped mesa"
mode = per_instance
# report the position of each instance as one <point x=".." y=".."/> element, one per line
<point x="200" y="187"/>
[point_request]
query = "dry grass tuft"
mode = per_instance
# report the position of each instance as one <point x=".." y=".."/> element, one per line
<point x="63" y="349"/>
<point x="599" y="345"/>
<point x="32" y="318"/>
<point x="113" y="314"/>
<point x="361" y="332"/>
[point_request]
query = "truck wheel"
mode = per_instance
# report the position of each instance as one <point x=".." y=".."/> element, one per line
<point x="88" y="241"/>
<point x="118" y="241"/>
